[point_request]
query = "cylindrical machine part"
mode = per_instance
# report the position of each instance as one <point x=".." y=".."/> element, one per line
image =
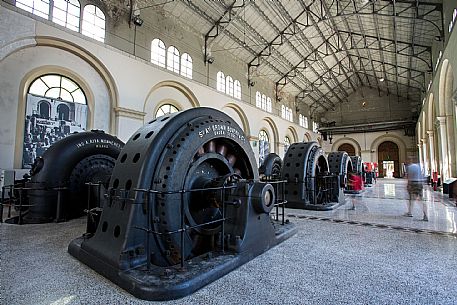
<point x="59" y="177"/>
<point x="302" y="166"/>
<point x="271" y="167"/>
<point x="340" y="164"/>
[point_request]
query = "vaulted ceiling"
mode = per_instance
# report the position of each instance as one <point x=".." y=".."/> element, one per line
<point x="321" y="51"/>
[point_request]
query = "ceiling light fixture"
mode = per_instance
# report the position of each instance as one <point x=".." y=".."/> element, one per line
<point x="137" y="20"/>
<point x="381" y="79"/>
<point x="210" y="59"/>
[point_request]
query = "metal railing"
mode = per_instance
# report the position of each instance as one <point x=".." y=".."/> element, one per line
<point x="142" y="197"/>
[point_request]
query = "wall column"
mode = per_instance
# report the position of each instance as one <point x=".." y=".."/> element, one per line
<point x="432" y="151"/>
<point x="420" y="161"/>
<point x="424" y="154"/>
<point x="444" y="152"/>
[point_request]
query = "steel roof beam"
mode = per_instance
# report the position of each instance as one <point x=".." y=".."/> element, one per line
<point x="208" y="18"/>
<point x="221" y="24"/>
<point x="381" y="54"/>
<point x="395" y="39"/>
<point x="286" y="40"/>
<point x="309" y="45"/>
<point x="410" y="62"/>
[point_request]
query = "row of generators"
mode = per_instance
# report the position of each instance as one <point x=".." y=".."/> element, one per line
<point x="181" y="203"/>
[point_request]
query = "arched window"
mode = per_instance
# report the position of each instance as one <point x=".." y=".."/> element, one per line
<point x="289" y="116"/>
<point x="44" y="109"/>
<point x="63" y="112"/>
<point x="56" y="107"/>
<point x="173" y="59"/>
<point x="264" y="146"/>
<point x="57" y="87"/>
<point x="237" y="89"/>
<point x="93" y="23"/>
<point x="258" y="99"/>
<point x="286" y="113"/>
<point x="315" y="126"/>
<point x="229" y="86"/>
<point x="36" y="7"/>
<point x="166" y="109"/>
<point x="66" y="13"/>
<point x="286" y="144"/>
<point x="220" y="81"/>
<point x="268" y="104"/>
<point x="158" y="52"/>
<point x="186" y="65"/>
<point x="264" y="102"/>
<point x="303" y="121"/>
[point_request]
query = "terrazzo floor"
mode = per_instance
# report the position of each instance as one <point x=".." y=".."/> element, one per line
<point x="326" y="262"/>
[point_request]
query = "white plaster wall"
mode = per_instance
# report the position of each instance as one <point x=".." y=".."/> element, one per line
<point x="449" y="55"/>
<point x="369" y="143"/>
<point x="14" y="69"/>
<point x="134" y="79"/>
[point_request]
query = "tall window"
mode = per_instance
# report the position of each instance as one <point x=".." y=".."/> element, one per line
<point x="93" y="23"/>
<point x="286" y="144"/>
<point x="258" y="99"/>
<point x="263" y="102"/>
<point x="237" y="86"/>
<point x="56" y="107"/>
<point x="36" y="7"/>
<point x="66" y="13"/>
<point x="286" y="113"/>
<point x="315" y="126"/>
<point x="166" y="109"/>
<point x="186" y="65"/>
<point x="158" y="52"/>
<point x="229" y="86"/>
<point x="173" y="59"/>
<point x="264" y="146"/>
<point x="303" y="121"/>
<point x="220" y="81"/>
<point x="268" y="104"/>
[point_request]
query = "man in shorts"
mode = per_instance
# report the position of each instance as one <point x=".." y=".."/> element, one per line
<point x="415" y="188"/>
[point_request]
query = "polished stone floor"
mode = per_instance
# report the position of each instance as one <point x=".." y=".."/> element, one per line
<point x="370" y="255"/>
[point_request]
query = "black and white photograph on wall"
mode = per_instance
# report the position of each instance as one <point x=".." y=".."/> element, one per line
<point x="264" y="150"/>
<point x="48" y="120"/>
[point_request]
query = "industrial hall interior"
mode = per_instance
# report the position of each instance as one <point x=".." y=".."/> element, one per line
<point x="228" y="152"/>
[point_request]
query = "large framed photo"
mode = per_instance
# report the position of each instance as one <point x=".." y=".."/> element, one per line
<point x="48" y="120"/>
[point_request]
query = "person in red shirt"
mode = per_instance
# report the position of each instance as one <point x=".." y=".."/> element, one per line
<point x="356" y="184"/>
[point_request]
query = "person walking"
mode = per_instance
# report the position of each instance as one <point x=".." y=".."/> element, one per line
<point x="356" y="185"/>
<point x="415" y="188"/>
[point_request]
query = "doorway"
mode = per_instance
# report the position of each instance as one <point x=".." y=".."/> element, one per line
<point x="388" y="151"/>
<point x="388" y="169"/>
<point x="347" y="148"/>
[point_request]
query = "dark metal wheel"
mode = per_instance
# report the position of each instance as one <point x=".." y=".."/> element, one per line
<point x="189" y="150"/>
<point x="66" y="167"/>
<point x="271" y="167"/>
<point x="93" y="169"/>
<point x="302" y="165"/>
<point x="340" y="164"/>
<point x="357" y="165"/>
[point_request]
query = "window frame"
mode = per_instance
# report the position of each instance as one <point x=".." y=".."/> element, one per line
<point x="158" y="52"/>
<point x="173" y="59"/>
<point x="186" y="65"/>
<point x="98" y="13"/>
